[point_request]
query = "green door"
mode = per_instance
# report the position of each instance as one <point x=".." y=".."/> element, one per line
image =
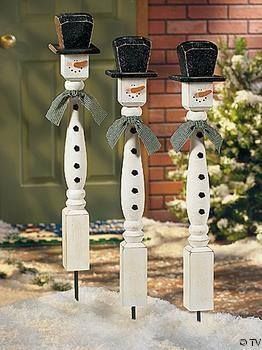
<point x="31" y="150"/>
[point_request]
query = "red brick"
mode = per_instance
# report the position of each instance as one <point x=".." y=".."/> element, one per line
<point x="172" y="56"/>
<point x="247" y="12"/>
<point x="166" y="41"/>
<point x="187" y="1"/>
<point x="167" y="12"/>
<point x="255" y="26"/>
<point x="156" y="173"/>
<point x="185" y="27"/>
<point x="255" y="1"/>
<point x="173" y="86"/>
<point x="156" y="115"/>
<point x="156" y="202"/>
<point x="160" y="159"/>
<point x="165" y="129"/>
<point x="210" y="37"/>
<point x="168" y="145"/>
<point x="155" y="86"/>
<point x="165" y="187"/>
<point x="164" y="71"/>
<point x="253" y="41"/>
<point x="209" y="11"/>
<point x="164" y="101"/>
<point x="156" y="27"/>
<point x="161" y="215"/>
<point x="156" y="2"/>
<point x="227" y="27"/>
<point x="175" y="115"/>
<point x="228" y="2"/>
<point x="157" y="56"/>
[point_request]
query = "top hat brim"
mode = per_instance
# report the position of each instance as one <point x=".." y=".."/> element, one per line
<point x="186" y="79"/>
<point x="118" y="74"/>
<point x="91" y="50"/>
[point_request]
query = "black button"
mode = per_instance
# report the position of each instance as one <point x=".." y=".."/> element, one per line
<point x="192" y="127"/>
<point x="134" y="172"/>
<point x="199" y="134"/>
<point x="201" y="211"/>
<point x="76" y="128"/>
<point x="134" y="150"/>
<point x="133" y="130"/>
<point x="75" y="107"/>
<point x="76" y="148"/>
<point x="201" y="194"/>
<point x="201" y="176"/>
<point x="76" y="166"/>
<point x="200" y="155"/>
<point x="134" y="190"/>
<point x="134" y="207"/>
<point x="77" y="179"/>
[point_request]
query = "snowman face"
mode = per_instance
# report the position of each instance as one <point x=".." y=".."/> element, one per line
<point x="197" y="96"/>
<point x="75" y="67"/>
<point x="131" y="92"/>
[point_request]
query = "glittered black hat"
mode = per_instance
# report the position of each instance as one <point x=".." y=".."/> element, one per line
<point x="74" y="32"/>
<point x="197" y="60"/>
<point x="132" y="54"/>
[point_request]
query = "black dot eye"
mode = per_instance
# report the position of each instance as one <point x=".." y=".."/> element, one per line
<point x="201" y="194"/>
<point x="200" y="155"/>
<point x="201" y="176"/>
<point x="77" y="179"/>
<point x="134" y="207"/>
<point x="201" y="211"/>
<point x="76" y="128"/>
<point x="134" y="190"/>
<point x="76" y="166"/>
<point x="199" y="134"/>
<point x="133" y="130"/>
<point x="77" y="148"/>
<point x="134" y="150"/>
<point x="75" y="107"/>
<point x="134" y="172"/>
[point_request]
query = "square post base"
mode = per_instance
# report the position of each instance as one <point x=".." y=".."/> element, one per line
<point x="75" y="239"/>
<point x="198" y="264"/>
<point x="133" y="274"/>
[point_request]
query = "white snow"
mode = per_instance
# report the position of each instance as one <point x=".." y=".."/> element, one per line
<point x="167" y="239"/>
<point x="98" y="322"/>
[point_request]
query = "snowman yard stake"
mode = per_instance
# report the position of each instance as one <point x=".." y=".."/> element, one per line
<point x="132" y="55"/>
<point x="197" y="61"/>
<point x="74" y="46"/>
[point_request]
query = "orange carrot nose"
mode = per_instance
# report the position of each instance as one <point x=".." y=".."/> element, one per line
<point x="80" y="64"/>
<point x="137" y="89"/>
<point x="202" y="93"/>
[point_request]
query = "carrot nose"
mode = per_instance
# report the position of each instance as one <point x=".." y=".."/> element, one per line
<point x="137" y="89"/>
<point x="80" y="64"/>
<point x="202" y="93"/>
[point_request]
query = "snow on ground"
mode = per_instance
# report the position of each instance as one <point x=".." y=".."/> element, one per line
<point x="98" y="322"/>
<point x="168" y="239"/>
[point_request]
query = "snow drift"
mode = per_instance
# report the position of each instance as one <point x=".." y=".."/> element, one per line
<point x="98" y="322"/>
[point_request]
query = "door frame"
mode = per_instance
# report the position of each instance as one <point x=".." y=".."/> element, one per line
<point x="142" y="29"/>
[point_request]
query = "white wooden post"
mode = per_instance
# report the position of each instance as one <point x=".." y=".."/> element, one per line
<point x="75" y="218"/>
<point x="198" y="258"/>
<point x="133" y="252"/>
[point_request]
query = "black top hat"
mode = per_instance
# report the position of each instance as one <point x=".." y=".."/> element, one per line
<point x="197" y="60"/>
<point x="132" y="54"/>
<point x="74" y="32"/>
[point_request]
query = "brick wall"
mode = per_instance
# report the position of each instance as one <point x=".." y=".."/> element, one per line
<point x="171" y="22"/>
